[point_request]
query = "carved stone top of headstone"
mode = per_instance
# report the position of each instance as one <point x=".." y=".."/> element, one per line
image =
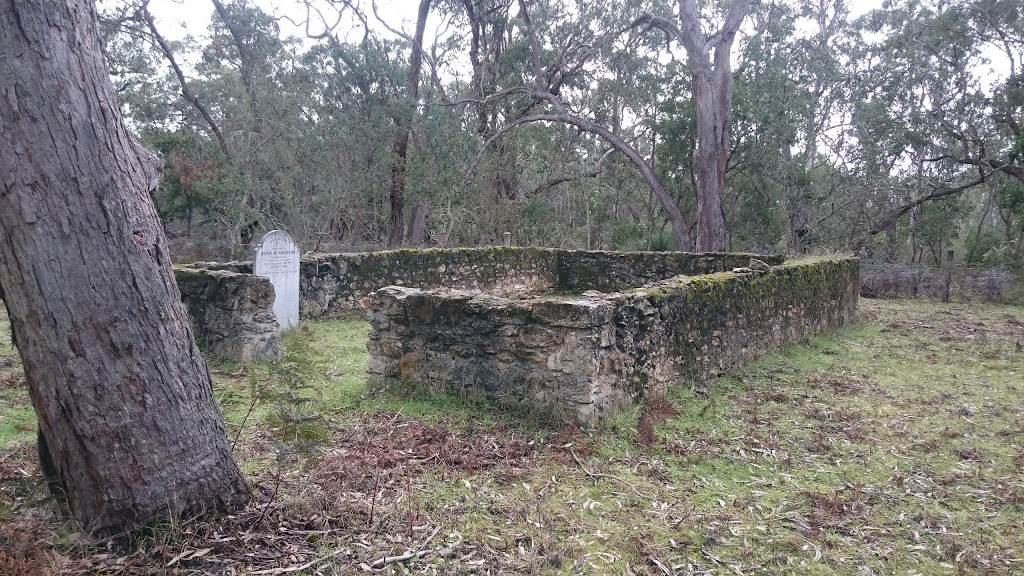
<point x="277" y="258"/>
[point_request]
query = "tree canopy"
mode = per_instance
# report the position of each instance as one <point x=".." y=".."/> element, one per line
<point x="895" y="132"/>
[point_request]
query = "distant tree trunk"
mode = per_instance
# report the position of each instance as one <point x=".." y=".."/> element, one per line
<point x="797" y="194"/>
<point x="417" y="233"/>
<point x="403" y="125"/>
<point x="122" y="394"/>
<point x="948" y="278"/>
<point x="892" y="243"/>
<point x="711" y="71"/>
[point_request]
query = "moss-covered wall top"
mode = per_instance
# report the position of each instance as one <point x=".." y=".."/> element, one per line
<point x="579" y="270"/>
<point x="333" y="285"/>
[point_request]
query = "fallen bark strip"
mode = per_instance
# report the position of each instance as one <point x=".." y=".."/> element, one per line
<point x="423" y="551"/>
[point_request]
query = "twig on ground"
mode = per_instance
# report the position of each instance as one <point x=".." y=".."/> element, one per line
<point x="661" y="566"/>
<point x="373" y="498"/>
<point x="273" y="496"/>
<point x="423" y="551"/>
<point x="593" y="474"/>
<point x="300" y="567"/>
<point x="241" y="426"/>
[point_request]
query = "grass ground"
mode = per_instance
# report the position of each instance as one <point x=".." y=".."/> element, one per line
<point x="895" y="445"/>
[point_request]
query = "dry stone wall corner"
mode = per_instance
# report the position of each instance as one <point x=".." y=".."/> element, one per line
<point x="231" y="314"/>
<point x="584" y="358"/>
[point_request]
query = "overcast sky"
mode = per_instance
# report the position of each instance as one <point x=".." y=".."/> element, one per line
<point x="180" y="17"/>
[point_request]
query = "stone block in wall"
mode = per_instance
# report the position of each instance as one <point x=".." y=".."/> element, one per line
<point x="232" y="314"/>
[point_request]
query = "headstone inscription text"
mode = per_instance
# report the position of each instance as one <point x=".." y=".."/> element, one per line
<point x="277" y="259"/>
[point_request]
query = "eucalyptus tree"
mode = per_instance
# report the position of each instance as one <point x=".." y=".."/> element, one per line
<point x="403" y="126"/>
<point x="822" y="84"/>
<point x="768" y="102"/>
<point x="207" y="105"/>
<point x="924" y="117"/>
<point x="351" y="95"/>
<point x="536" y="65"/>
<point x="246" y="70"/>
<point x="127" y="417"/>
<point x="709" y="55"/>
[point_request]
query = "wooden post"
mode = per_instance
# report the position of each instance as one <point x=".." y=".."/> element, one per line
<point x="949" y="276"/>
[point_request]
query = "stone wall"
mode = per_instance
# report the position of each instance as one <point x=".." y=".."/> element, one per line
<point x="532" y="353"/>
<point x="231" y="314"/>
<point x="333" y="285"/>
<point x="582" y="270"/>
<point x="585" y="358"/>
<point x="702" y="326"/>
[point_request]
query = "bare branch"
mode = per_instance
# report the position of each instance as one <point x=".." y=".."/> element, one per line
<point x="733" y="19"/>
<point x="186" y="91"/>
<point x="650" y="22"/>
<point x="592" y="172"/>
<point x="667" y="202"/>
<point x="538" y="75"/>
<point x="492" y="97"/>
<point x="894" y="216"/>
<point x="690" y="35"/>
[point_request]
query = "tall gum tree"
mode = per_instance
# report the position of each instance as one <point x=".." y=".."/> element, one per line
<point x="709" y="57"/>
<point x="550" y="73"/>
<point x="121" y="392"/>
<point x="403" y="127"/>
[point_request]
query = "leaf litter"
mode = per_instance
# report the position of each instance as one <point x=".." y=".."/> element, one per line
<point x="894" y="445"/>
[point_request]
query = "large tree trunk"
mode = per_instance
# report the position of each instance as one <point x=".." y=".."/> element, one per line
<point x="122" y="394"/>
<point x="711" y="158"/>
<point x="712" y="69"/>
<point x="709" y="59"/>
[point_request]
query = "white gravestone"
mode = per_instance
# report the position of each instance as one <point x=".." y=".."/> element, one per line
<point x="277" y="258"/>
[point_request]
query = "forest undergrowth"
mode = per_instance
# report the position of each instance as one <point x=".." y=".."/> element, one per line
<point x="894" y="445"/>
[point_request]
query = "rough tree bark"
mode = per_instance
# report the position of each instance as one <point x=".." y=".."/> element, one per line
<point x="122" y="394"/>
<point x="711" y="71"/>
<point x="403" y="126"/>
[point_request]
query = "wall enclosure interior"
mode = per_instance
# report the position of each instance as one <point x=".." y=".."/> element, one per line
<point x="579" y="335"/>
<point x="608" y="330"/>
